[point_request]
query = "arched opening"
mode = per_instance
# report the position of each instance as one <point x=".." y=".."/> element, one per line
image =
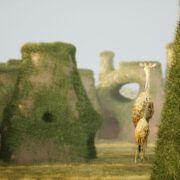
<point x="47" y="117"/>
<point x="129" y="90"/>
<point x="125" y="92"/>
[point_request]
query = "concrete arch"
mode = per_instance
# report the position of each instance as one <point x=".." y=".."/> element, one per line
<point x="114" y="106"/>
<point x="118" y="96"/>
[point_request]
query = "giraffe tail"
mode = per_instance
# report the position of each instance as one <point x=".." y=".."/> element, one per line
<point x="139" y="145"/>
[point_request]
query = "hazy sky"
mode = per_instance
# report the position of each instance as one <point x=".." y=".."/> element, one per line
<point x="132" y="29"/>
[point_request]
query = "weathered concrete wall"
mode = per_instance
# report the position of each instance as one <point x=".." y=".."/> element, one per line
<point x="116" y="108"/>
<point x="49" y="117"/>
<point x="87" y="77"/>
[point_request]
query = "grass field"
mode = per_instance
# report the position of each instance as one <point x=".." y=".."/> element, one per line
<point x="115" y="161"/>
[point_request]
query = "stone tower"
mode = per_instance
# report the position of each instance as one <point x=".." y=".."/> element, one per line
<point x="169" y="56"/>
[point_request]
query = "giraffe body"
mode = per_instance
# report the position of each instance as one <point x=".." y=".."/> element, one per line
<point x="144" y="98"/>
<point x="139" y="107"/>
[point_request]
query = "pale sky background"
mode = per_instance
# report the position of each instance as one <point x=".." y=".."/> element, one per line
<point x="132" y="29"/>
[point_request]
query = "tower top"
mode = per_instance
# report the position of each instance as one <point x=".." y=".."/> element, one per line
<point x="106" y="61"/>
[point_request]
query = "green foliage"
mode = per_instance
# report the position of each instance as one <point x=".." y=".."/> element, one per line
<point x="87" y="77"/>
<point x="8" y="76"/>
<point x="49" y="112"/>
<point x="167" y="153"/>
<point x="13" y="62"/>
<point x="86" y="73"/>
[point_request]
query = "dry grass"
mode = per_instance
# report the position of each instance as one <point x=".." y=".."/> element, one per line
<point x="115" y="161"/>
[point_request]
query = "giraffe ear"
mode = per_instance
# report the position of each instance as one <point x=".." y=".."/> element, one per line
<point x="154" y="65"/>
<point x="141" y="64"/>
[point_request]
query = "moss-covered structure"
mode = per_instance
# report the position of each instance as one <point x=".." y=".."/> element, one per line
<point x="167" y="153"/>
<point x="169" y="56"/>
<point x="117" y="109"/>
<point x="8" y="76"/>
<point x="87" y="77"/>
<point x="49" y="117"/>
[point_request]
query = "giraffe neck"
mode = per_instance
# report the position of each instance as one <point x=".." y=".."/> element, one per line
<point x="145" y="110"/>
<point x="147" y="86"/>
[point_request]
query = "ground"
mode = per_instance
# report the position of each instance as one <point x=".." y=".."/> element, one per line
<point x="115" y="161"/>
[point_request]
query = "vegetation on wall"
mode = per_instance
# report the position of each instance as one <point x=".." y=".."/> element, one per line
<point x="87" y="77"/>
<point x="8" y="76"/>
<point x="167" y="153"/>
<point x="49" y="117"/>
<point x="169" y="56"/>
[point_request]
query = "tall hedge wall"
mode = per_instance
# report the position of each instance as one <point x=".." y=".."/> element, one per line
<point x="8" y="76"/>
<point x="167" y="154"/>
<point x="49" y="117"/>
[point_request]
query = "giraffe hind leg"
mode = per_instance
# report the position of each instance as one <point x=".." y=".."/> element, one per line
<point x="146" y="150"/>
<point x="142" y="151"/>
<point x="139" y="148"/>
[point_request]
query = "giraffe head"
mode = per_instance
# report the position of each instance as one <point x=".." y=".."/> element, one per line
<point x="147" y="66"/>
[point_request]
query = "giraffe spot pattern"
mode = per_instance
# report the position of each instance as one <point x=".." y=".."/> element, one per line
<point x="139" y="107"/>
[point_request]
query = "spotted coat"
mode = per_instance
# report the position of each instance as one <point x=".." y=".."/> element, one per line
<point x="139" y="107"/>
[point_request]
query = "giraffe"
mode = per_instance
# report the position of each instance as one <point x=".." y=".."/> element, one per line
<point x="141" y="135"/>
<point x="143" y="101"/>
<point x="144" y="98"/>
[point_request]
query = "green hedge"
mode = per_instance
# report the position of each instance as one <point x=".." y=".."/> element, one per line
<point x="167" y="153"/>
<point x="8" y="76"/>
<point x="49" y="117"/>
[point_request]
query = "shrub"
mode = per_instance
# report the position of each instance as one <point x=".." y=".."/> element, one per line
<point x="49" y="117"/>
<point x="167" y="153"/>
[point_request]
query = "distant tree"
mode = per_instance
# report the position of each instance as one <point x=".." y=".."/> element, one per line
<point x="167" y="153"/>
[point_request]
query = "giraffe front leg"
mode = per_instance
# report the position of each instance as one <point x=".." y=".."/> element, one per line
<point x="146" y="151"/>
<point x="142" y="156"/>
<point x="136" y="153"/>
<point x="136" y="156"/>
